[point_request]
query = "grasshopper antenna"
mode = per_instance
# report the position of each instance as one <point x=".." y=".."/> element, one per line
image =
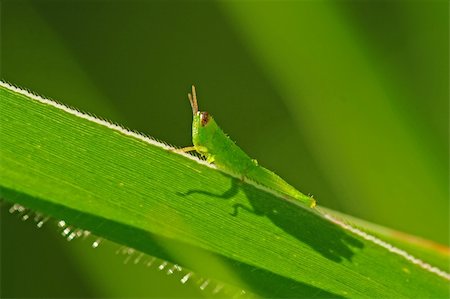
<point x="193" y="100"/>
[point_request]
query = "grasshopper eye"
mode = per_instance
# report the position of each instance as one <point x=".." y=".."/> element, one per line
<point x="204" y="118"/>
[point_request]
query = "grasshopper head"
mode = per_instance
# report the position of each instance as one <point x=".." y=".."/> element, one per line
<point x="203" y="124"/>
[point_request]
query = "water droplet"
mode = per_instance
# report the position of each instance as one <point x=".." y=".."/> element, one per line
<point x="37" y="217"/>
<point x="124" y="250"/>
<point x="218" y="288"/>
<point x="42" y="222"/>
<point x="127" y="259"/>
<point x="86" y="233"/>
<point x="16" y="208"/>
<point x="138" y="259"/>
<point x="130" y="253"/>
<point x="173" y="269"/>
<point x="120" y="249"/>
<point x="151" y="261"/>
<point x="25" y="217"/>
<point x="96" y="243"/>
<point x="79" y="233"/>
<point x="62" y="223"/>
<point x="242" y="292"/>
<point x="186" y="278"/>
<point x="71" y="236"/>
<point x="66" y="231"/>
<point x="239" y="294"/>
<point x="13" y="208"/>
<point x="204" y="285"/>
<point x="162" y="266"/>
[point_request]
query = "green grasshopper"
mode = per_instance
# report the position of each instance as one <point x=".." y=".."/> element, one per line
<point x="211" y="142"/>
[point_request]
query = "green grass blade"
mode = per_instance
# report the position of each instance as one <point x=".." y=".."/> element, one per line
<point x="344" y="96"/>
<point x="434" y="253"/>
<point x="133" y="190"/>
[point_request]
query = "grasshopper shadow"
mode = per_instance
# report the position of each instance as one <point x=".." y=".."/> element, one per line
<point x="331" y="241"/>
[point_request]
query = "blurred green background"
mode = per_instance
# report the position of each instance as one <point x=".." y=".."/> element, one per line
<point x="346" y="100"/>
